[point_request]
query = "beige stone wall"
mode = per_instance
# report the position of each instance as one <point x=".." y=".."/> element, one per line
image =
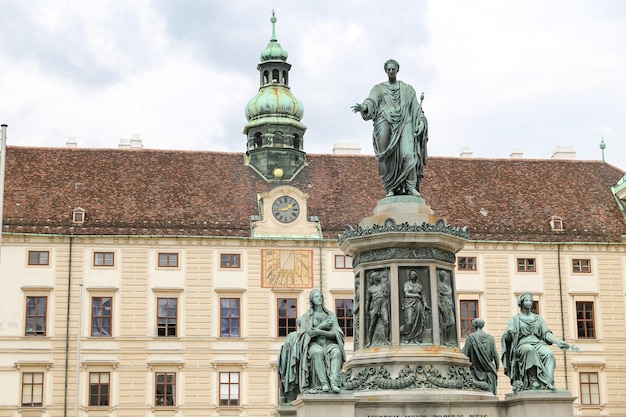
<point x="134" y="353"/>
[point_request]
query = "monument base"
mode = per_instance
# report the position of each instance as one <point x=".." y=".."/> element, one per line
<point x="401" y="208"/>
<point x="430" y="403"/>
<point x="426" y="403"/>
<point x="391" y="375"/>
<point x="285" y="410"/>
<point x="539" y="403"/>
<point x="325" y="405"/>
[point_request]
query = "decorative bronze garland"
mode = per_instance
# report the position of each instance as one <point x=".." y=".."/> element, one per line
<point x="421" y="376"/>
<point x="390" y="225"/>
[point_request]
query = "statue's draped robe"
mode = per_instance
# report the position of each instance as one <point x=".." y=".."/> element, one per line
<point x="480" y="348"/>
<point x="412" y="332"/>
<point x="524" y="346"/>
<point x="316" y="370"/>
<point x="287" y="366"/>
<point x="305" y="363"/>
<point x="400" y="134"/>
<point x="446" y="306"/>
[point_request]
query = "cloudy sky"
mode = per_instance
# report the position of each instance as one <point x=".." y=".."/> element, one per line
<point x="497" y="75"/>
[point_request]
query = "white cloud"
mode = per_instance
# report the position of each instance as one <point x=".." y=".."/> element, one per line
<point x="497" y="75"/>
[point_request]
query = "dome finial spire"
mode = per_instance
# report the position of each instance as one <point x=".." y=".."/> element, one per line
<point x="602" y="146"/>
<point x="273" y="51"/>
<point x="273" y="20"/>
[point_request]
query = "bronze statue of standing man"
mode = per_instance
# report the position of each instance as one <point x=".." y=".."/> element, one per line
<point x="400" y="132"/>
<point x="480" y="348"/>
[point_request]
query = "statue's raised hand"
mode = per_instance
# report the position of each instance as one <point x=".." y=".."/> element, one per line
<point x="357" y="108"/>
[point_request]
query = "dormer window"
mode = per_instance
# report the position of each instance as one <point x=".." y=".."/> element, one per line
<point x="78" y="215"/>
<point x="556" y="223"/>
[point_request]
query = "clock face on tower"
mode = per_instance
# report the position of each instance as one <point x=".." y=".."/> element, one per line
<point x="285" y="209"/>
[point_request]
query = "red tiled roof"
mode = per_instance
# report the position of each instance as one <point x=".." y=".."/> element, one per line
<point x="157" y="192"/>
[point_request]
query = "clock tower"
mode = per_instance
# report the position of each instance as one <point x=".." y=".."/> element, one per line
<point x="275" y="133"/>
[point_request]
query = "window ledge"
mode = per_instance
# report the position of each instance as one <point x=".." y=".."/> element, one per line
<point x="234" y="410"/>
<point x="97" y="411"/>
<point x="591" y="407"/>
<point x="165" y="410"/>
<point x="31" y="411"/>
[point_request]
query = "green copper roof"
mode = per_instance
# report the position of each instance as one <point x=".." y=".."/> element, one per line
<point x="273" y="52"/>
<point x="619" y="192"/>
<point x="274" y="102"/>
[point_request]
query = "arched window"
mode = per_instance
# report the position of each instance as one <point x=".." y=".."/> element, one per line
<point x="258" y="140"/>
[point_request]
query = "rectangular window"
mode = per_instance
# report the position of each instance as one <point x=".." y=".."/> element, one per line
<point x="287" y="315"/>
<point x="38" y="257"/>
<point x="526" y="265"/>
<point x="229" y="316"/>
<point x="99" y="389"/>
<point x="229" y="388"/>
<point x="469" y="311"/>
<point x="585" y="320"/>
<point x="168" y="260"/>
<point x="103" y="259"/>
<point x="535" y="307"/>
<point x="78" y="217"/>
<point x="343" y="262"/>
<point x="343" y="311"/>
<point x="166" y="316"/>
<point x="32" y="389"/>
<point x="230" y="260"/>
<point x="36" y="311"/>
<point x="467" y="263"/>
<point x="589" y="388"/>
<point x="581" y="266"/>
<point x="101" y="316"/>
<point x="165" y="389"/>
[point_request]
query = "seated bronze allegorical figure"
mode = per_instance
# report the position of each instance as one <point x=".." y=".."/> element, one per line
<point x="527" y="358"/>
<point x="311" y="359"/>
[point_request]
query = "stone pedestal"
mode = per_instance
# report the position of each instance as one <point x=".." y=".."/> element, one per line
<point x="401" y="238"/>
<point x="402" y="208"/>
<point x="325" y="405"/>
<point x="430" y="403"/>
<point x="285" y="410"/>
<point x="427" y="403"/>
<point x="539" y="403"/>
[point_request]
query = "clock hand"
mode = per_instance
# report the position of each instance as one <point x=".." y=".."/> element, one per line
<point x="286" y="208"/>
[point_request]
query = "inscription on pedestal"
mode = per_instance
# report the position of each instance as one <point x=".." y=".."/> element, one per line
<point x="427" y="415"/>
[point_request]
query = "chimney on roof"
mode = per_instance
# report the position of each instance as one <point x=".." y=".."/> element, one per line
<point x="564" y="152"/>
<point x="133" y="143"/>
<point x="346" y="149"/>
<point x="466" y="152"/>
<point x="516" y="153"/>
<point x="71" y="142"/>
